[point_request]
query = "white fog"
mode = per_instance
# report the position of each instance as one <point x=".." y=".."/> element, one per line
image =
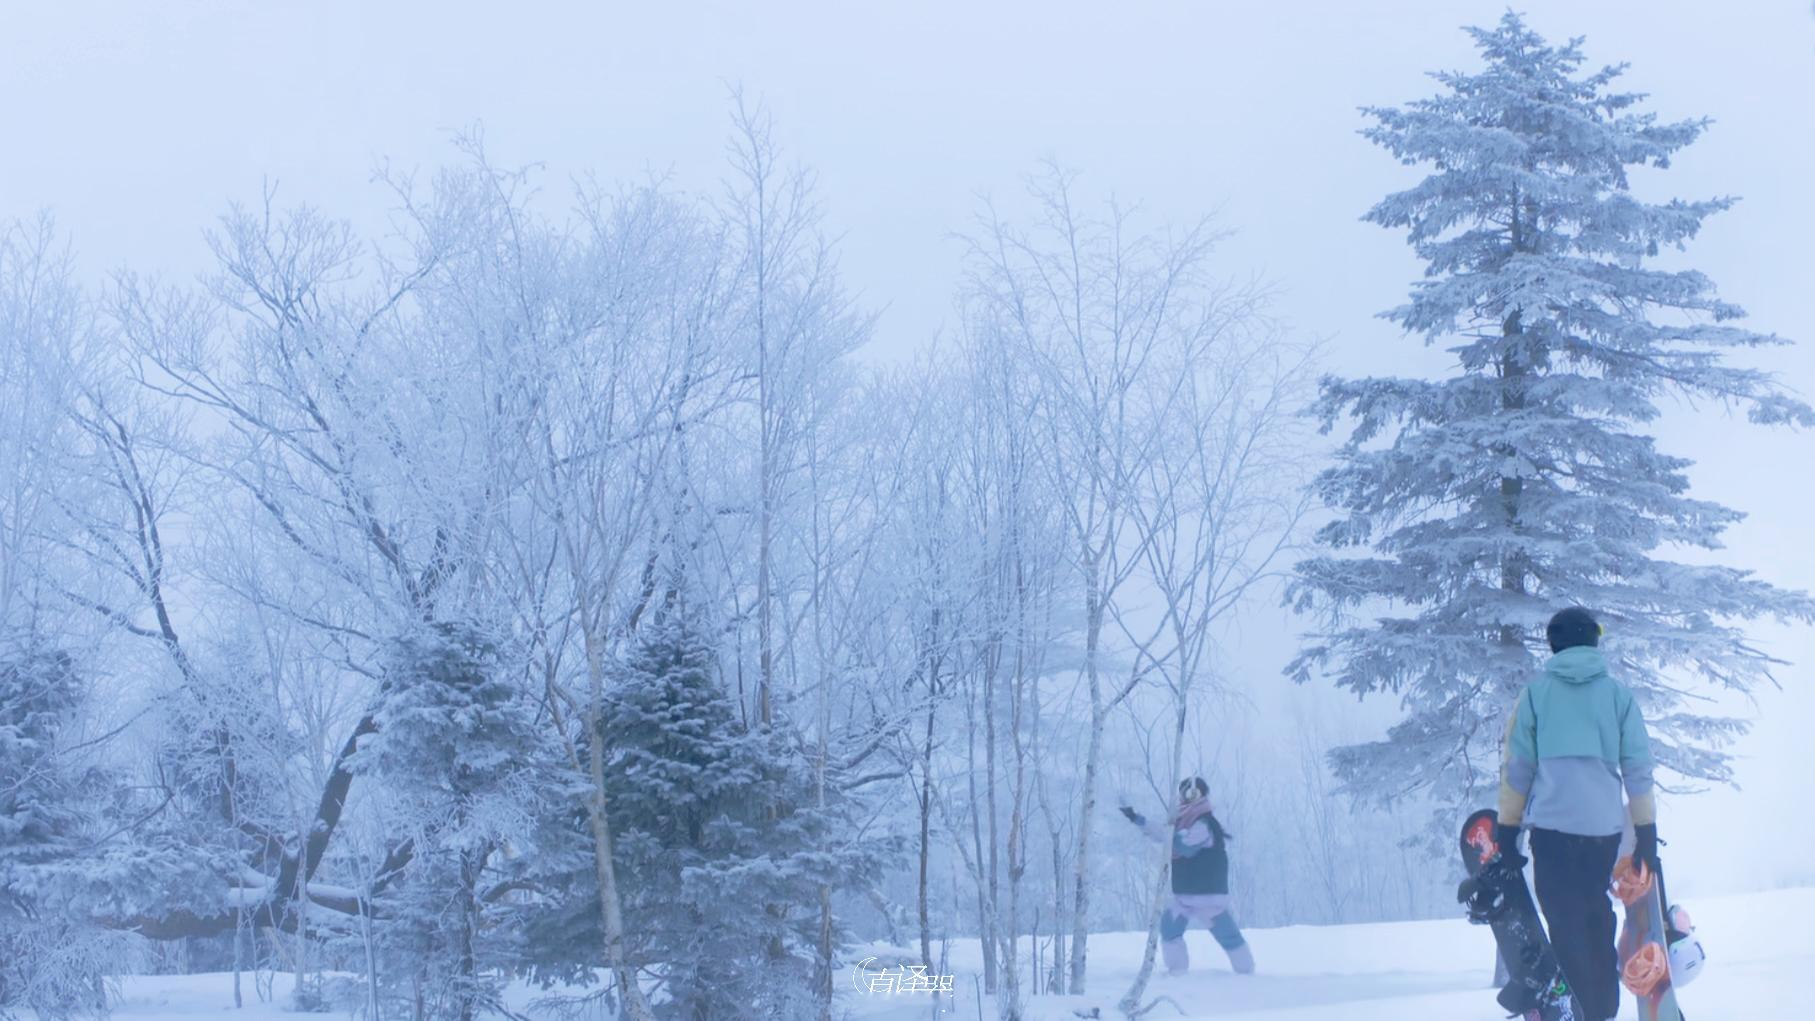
<point x="596" y="510"/>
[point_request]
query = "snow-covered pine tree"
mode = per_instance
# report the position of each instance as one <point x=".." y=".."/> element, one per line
<point x="51" y="961"/>
<point x="715" y="822"/>
<point x="459" y="746"/>
<point x="1471" y="507"/>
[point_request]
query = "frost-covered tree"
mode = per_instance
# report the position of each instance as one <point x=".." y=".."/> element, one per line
<point x="459" y="745"/>
<point x="39" y="821"/>
<point x="49" y="961"/>
<point x="1091" y="309"/>
<point x="719" y="837"/>
<point x="51" y="794"/>
<point x="1469" y="508"/>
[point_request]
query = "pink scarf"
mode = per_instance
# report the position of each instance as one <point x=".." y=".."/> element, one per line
<point x="1190" y="812"/>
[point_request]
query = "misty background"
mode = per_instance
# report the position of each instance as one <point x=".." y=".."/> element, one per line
<point x="136" y="126"/>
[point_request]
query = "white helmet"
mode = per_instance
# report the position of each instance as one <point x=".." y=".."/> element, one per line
<point x="1686" y="954"/>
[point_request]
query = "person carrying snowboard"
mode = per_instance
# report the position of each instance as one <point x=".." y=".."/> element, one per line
<point x="1200" y="879"/>
<point x="1576" y="736"/>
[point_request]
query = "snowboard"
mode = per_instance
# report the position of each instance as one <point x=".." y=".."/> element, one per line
<point x="1644" y="943"/>
<point x="1496" y="895"/>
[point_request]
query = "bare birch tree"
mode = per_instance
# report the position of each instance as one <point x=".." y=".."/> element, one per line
<point x="1217" y="500"/>
<point x="1088" y="306"/>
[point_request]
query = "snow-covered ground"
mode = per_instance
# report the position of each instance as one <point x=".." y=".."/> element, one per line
<point x="1761" y="956"/>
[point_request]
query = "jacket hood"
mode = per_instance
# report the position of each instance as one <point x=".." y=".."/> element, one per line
<point x="1577" y="665"/>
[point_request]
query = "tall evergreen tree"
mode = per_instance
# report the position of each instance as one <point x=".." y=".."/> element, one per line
<point x="51" y="961"/>
<point x="458" y="741"/>
<point x="719" y="839"/>
<point x="1469" y="508"/>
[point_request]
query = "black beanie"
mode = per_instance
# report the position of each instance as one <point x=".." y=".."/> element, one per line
<point x="1571" y="627"/>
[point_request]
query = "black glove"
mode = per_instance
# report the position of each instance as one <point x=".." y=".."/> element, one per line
<point x="1508" y="839"/>
<point x="1133" y="816"/>
<point x="1646" y="849"/>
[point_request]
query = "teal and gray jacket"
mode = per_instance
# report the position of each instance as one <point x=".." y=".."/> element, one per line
<point x="1575" y="737"/>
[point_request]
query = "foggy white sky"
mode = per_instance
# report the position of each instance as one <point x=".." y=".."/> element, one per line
<point x="136" y="123"/>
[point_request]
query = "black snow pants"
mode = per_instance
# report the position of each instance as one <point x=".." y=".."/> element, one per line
<point x="1572" y="875"/>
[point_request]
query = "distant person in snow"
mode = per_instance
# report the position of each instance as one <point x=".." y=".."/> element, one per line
<point x="1575" y="737"/>
<point x="1200" y="878"/>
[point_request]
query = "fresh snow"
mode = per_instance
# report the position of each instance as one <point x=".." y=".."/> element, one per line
<point x="1761" y="950"/>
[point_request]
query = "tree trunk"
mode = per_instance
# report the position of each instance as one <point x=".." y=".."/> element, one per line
<point x="609" y="906"/>
<point x="239" y="946"/>
<point x="1131" y="1000"/>
<point x="1056" y="983"/>
<point x="1010" y="1006"/>
<point x="822" y="963"/>
<point x="921" y="892"/>
<point x="765" y="681"/>
<point x="1080" y="918"/>
<point x="995" y="839"/>
<point x="1053" y="982"/>
<point x="465" y="1007"/>
<point x="605" y="872"/>
<point x="367" y="938"/>
<point x="1513" y="370"/>
<point x="986" y="910"/>
<point x="300" y="996"/>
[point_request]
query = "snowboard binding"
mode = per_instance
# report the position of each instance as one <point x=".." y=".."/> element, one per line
<point x="1483" y="896"/>
<point x="1526" y="999"/>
